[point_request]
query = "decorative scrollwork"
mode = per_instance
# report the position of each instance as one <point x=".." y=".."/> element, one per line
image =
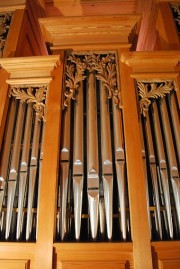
<point x="5" y="20"/>
<point x="176" y="14"/>
<point x="106" y="72"/>
<point x="148" y="91"/>
<point x="74" y="71"/>
<point x="103" y="65"/>
<point x="37" y="96"/>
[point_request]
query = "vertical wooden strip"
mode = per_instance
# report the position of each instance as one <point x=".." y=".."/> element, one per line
<point x="135" y="174"/>
<point x="14" y="33"/>
<point x="166" y="27"/>
<point x="48" y="188"/>
<point x="4" y="100"/>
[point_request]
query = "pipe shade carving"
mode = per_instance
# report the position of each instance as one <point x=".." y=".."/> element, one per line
<point x="104" y="67"/>
<point x="160" y="131"/>
<point x="176" y="14"/>
<point x="148" y="91"/>
<point x="92" y="197"/>
<point x="37" y="96"/>
<point x="5" y="20"/>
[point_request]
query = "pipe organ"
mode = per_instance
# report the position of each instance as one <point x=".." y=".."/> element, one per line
<point x="92" y="193"/>
<point x="161" y="155"/>
<point x="21" y="158"/>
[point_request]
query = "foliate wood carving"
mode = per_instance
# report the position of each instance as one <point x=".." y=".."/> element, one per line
<point x="176" y="13"/>
<point x="75" y="74"/>
<point x="5" y="20"/>
<point x="35" y="95"/>
<point x="104" y="67"/>
<point x="148" y="91"/>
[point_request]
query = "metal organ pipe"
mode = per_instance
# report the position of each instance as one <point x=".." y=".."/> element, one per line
<point x="14" y="167"/>
<point x="92" y="155"/>
<point x="106" y="158"/>
<point x="78" y="160"/>
<point x="87" y="150"/>
<point x="163" y="154"/>
<point x="19" y="171"/>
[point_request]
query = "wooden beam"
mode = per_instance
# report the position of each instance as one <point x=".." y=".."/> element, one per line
<point x="48" y="187"/>
<point x="135" y="173"/>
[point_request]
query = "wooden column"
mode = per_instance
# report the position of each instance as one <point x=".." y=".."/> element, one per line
<point x="135" y="173"/>
<point x="168" y="35"/>
<point x="48" y="187"/>
<point x="4" y="100"/>
<point x="13" y="34"/>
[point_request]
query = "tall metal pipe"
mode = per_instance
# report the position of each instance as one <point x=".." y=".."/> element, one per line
<point x="92" y="155"/>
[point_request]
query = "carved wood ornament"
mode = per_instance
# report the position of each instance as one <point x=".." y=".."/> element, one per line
<point x="176" y="13"/>
<point x="5" y="20"/>
<point x="104" y="67"/>
<point x="148" y="91"/>
<point x="37" y="96"/>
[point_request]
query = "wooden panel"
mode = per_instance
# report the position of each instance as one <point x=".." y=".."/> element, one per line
<point x="89" y="7"/>
<point x="93" y="255"/>
<point x="14" y="264"/>
<point x="17" y="255"/>
<point x="169" y="264"/>
<point x="166" y="255"/>
<point x="93" y="264"/>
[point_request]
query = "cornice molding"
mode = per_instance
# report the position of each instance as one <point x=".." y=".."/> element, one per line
<point x="152" y="61"/>
<point x="88" y="29"/>
<point x="12" y="5"/>
<point x="30" y="68"/>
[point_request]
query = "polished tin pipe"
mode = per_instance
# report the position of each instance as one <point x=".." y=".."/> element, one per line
<point x="169" y="141"/>
<point x="158" y="136"/>
<point x="92" y="155"/>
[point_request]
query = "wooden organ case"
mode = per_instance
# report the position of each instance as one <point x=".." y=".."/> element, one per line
<point x="89" y="136"/>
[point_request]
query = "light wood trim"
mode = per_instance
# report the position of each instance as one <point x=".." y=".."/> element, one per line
<point x="14" y="32"/>
<point x="80" y="254"/>
<point x="48" y="186"/>
<point x="166" y="27"/>
<point x="11" y="5"/>
<point x="79" y="30"/>
<point x="28" y="81"/>
<point x="152" y="61"/>
<point x="14" y="253"/>
<point x="30" y="67"/>
<point x="95" y="47"/>
<point x="155" y="76"/>
<point x="135" y="173"/>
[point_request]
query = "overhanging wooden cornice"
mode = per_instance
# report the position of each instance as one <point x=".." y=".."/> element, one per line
<point x="30" y="70"/>
<point x="11" y="5"/>
<point x="153" y="61"/>
<point x="72" y="31"/>
<point x="90" y="7"/>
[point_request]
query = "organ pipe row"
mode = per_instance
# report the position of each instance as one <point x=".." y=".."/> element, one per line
<point x="21" y="155"/>
<point x="92" y="158"/>
<point x="161" y="132"/>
